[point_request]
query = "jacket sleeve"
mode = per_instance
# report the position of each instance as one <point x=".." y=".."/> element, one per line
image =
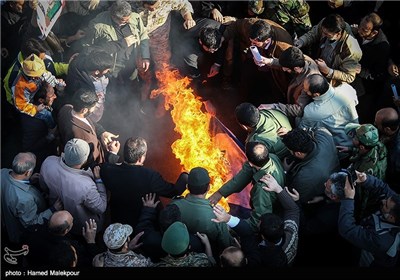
<point x="312" y="36"/>
<point x="147" y="219"/>
<point x="376" y="187"/>
<point x="162" y="187"/>
<point x="27" y="213"/>
<point x="207" y="7"/>
<point x="355" y="234"/>
<point x="21" y="103"/>
<point x="294" y="110"/>
<point x="261" y="202"/>
<point x="96" y="198"/>
<point x="291" y="217"/>
<point x="144" y="40"/>
<point x="61" y="68"/>
<point x="238" y="182"/>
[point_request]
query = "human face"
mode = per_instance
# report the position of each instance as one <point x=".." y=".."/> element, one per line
<point x="207" y="49"/>
<point x="331" y="36"/>
<point x="121" y="21"/>
<point x="365" y="30"/>
<point x="328" y="190"/>
<point x="89" y="112"/>
<point x="18" y="5"/>
<point x="288" y="70"/>
<point x="258" y="44"/>
<point x="306" y="88"/>
<point x="387" y="205"/>
<point x="98" y="74"/>
<point x="378" y="123"/>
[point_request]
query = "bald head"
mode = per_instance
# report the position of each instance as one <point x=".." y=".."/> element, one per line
<point x="60" y="222"/>
<point x="387" y="121"/>
<point x="23" y="162"/>
<point x="315" y="85"/>
<point x="232" y="257"/>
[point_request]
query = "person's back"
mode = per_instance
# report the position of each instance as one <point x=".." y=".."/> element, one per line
<point x="317" y="159"/>
<point x="263" y="126"/>
<point x="131" y="181"/>
<point x="197" y="212"/>
<point x="331" y="108"/>
<point x="67" y="179"/>
<point x="22" y="204"/>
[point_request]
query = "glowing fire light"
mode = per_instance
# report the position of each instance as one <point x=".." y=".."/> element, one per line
<point x="196" y="146"/>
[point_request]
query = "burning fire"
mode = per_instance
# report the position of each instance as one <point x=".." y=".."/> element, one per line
<point x="196" y="147"/>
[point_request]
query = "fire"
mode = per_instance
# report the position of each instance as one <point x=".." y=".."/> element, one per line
<point x="196" y="147"/>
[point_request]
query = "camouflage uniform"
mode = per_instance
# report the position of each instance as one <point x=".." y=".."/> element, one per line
<point x="191" y="260"/>
<point x="129" y="259"/>
<point x="374" y="163"/>
<point x="291" y="14"/>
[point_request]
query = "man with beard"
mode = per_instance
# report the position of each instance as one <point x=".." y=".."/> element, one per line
<point x="73" y="122"/>
<point x="90" y="71"/>
<point x="378" y="236"/>
<point x="338" y="53"/>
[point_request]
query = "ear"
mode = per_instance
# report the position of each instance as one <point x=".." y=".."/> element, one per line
<point x="298" y="154"/>
<point x="374" y="33"/>
<point x="387" y="131"/>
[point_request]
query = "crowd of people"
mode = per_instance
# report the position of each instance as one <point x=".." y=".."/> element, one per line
<point x="317" y="106"/>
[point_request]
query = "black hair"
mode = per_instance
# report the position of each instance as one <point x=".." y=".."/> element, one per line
<point x="260" y="31"/>
<point x="338" y="183"/>
<point x="84" y="98"/>
<point x="257" y="153"/>
<point x="333" y="23"/>
<point x="291" y="58"/>
<point x="271" y="227"/>
<point x="31" y="46"/>
<point x="98" y="61"/>
<point x="247" y="114"/>
<point x="317" y="84"/>
<point x="198" y="189"/>
<point x="298" y="140"/>
<point x="210" y="37"/>
<point x="168" y="216"/>
<point x="134" y="149"/>
<point x="41" y="93"/>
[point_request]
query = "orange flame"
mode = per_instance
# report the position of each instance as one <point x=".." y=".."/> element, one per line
<point x="196" y="146"/>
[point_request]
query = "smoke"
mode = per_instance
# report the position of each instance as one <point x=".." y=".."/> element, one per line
<point x="125" y="114"/>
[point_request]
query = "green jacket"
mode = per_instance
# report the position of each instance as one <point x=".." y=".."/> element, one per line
<point x="102" y="31"/>
<point x="261" y="200"/>
<point x="266" y="132"/>
<point x="197" y="214"/>
<point x="374" y="162"/>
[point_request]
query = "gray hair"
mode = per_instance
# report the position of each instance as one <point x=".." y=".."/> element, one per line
<point x="120" y="9"/>
<point x="338" y="182"/>
<point x="23" y="162"/>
